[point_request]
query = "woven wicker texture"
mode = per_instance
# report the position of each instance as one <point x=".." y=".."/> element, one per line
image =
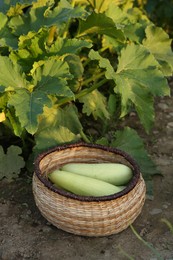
<point x="81" y="215"/>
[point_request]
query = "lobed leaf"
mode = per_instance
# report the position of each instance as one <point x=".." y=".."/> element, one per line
<point x="101" y="6"/>
<point x="99" y="24"/>
<point x="157" y="41"/>
<point x="50" y="76"/>
<point x="28" y="105"/>
<point x="132" y="28"/>
<point x="11" y="75"/>
<point x="137" y="78"/>
<point x="76" y="69"/>
<point x="31" y="48"/>
<point x="11" y="162"/>
<point x="43" y="16"/>
<point x="5" y="5"/>
<point x="103" y="63"/>
<point x="68" y="46"/>
<point x="57" y="126"/>
<point x="95" y="103"/>
<point x="129" y="141"/>
<point x="14" y="121"/>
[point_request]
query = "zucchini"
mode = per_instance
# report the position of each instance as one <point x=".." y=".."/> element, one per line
<point x="114" y="173"/>
<point x="82" y="185"/>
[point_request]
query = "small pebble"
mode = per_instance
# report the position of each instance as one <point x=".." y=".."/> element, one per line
<point x="170" y="125"/>
<point x="163" y="106"/>
<point x="155" y="211"/>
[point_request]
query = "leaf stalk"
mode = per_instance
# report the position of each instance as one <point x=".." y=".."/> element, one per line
<point x="159" y="257"/>
<point x="82" y="93"/>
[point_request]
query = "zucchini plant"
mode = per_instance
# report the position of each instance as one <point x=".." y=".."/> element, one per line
<point x="67" y="65"/>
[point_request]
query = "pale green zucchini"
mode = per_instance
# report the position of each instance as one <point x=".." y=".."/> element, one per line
<point x="114" y="173"/>
<point x="82" y="185"/>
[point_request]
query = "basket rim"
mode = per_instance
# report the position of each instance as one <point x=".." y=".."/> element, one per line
<point x="50" y="186"/>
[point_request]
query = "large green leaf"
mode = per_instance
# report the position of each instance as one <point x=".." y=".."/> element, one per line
<point x="99" y="24"/>
<point x="95" y="103"/>
<point x="33" y="42"/>
<point x="31" y="47"/>
<point x="137" y="80"/>
<point x="103" y="63"/>
<point x="129" y="141"/>
<point x="11" y="75"/>
<point x="159" y="44"/>
<point x="58" y="126"/>
<point x="14" y="121"/>
<point x="68" y="46"/>
<point x="55" y="136"/>
<point x="131" y="28"/>
<point x="3" y="20"/>
<point x="50" y="76"/>
<point x="5" y="5"/>
<point x="40" y="16"/>
<point x="28" y="105"/>
<point x="101" y="6"/>
<point x="76" y="69"/>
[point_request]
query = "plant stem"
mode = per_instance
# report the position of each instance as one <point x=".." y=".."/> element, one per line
<point x="170" y="226"/>
<point x="88" y="90"/>
<point x="101" y="5"/>
<point x="159" y="257"/>
<point x="82" y="92"/>
<point x="125" y="254"/>
<point x="91" y="4"/>
<point x="87" y="81"/>
<point x="84" y="137"/>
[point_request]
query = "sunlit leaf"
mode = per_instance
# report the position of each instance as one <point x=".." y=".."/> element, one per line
<point x="76" y="69"/>
<point x="51" y="77"/>
<point x="159" y="44"/>
<point x="95" y="103"/>
<point x="101" y="6"/>
<point x="2" y="117"/>
<point x="28" y="105"/>
<point x="43" y="16"/>
<point x="10" y="74"/>
<point x="138" y="79"/>
<point x="68" y="46"/>
<point x="58" y="126"/>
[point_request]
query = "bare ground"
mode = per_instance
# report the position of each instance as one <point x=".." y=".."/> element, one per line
<point x="25" y="234"/>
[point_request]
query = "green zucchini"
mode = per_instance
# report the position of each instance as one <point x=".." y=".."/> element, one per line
<point x="114" y="173"/>
<point x="82" y="185"/>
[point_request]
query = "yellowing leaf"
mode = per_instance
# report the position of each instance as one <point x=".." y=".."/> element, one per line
<point x="11" y="75"/>
<point x="95" y="103"/>
<point x="101" y="6"/>
<point x="138" y="80"/>
<point x="159" y="44"/>
<point x="2" y="117"/>
<point x="57" y="126"/>
<point x="28" y="105"/>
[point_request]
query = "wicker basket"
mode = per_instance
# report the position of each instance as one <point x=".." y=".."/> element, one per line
<point x="86" y="215"/>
